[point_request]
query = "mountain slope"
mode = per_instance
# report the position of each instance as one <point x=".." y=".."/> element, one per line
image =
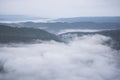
<point x="114" y="34"/>
<point x="89" y="19"/>
<point x="14" y="34"/>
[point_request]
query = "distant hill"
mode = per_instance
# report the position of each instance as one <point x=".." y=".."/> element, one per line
<point x="18" y="18"/>
<point x="14" y="34"/>
<point x="114" y="34"/>
<point x="89" y="19"/>
<point x="57" y="26"/>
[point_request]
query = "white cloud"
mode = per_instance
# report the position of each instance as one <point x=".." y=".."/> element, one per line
<point x="78" y="30"/>
<point x="85" y="58"/>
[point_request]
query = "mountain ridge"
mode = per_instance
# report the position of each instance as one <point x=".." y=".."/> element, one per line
<point x="14" y="34"/>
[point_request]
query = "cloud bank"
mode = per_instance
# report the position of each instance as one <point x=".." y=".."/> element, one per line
<point x="85" y="58"/>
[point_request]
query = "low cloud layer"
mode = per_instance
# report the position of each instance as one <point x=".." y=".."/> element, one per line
<point x="85" y="58"/>
<point x="78" y="30"/>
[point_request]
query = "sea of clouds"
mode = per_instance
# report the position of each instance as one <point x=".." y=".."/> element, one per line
<point x="84" y="58"/>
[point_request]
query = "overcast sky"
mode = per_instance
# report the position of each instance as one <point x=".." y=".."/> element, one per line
<point x="61" y="8"/>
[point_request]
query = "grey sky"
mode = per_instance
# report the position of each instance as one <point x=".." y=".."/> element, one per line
<point x="61" y="8"/>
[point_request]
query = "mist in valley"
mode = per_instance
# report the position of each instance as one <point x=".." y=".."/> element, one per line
<point x="84" y="58"/>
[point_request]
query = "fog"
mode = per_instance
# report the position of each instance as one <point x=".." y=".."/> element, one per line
<point x="84" y="58"/>
<point x="78" y="30"/>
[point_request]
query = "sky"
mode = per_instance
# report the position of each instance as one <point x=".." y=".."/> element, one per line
<point x="60" y="8"/>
